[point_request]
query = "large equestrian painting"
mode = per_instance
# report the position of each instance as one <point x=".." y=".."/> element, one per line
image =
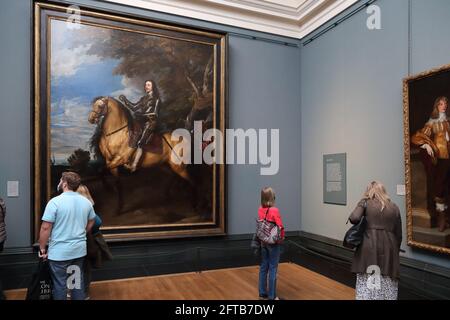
<point x="109" y="92"/>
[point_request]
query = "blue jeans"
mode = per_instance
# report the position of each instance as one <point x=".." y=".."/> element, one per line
<point x="270" y="255"/>
<point x="60" y="276"/>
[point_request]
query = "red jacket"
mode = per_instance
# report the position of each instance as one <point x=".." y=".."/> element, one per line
<point x="273" y="215"/>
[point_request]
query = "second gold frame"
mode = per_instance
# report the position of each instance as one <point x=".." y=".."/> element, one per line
<point x="426" y="147"/>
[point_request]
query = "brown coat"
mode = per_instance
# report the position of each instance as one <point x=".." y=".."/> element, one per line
<point x="382" y="238"/>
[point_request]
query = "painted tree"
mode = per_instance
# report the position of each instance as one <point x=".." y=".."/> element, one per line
<point x="79" y="160"/>
<point x="182" y="70"/>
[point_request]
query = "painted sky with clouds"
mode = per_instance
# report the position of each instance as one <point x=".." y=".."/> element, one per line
<point x="76" y="78"/>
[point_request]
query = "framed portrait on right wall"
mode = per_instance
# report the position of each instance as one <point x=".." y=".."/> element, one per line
<point x="426" y="117"/>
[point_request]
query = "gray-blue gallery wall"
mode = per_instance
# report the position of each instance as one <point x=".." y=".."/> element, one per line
<point x="264" y="75"/>
<point x="340" y="93"/>
<point x="351" y="101"/>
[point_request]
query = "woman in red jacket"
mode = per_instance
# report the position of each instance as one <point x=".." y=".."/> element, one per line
<point x="270" y="253"/>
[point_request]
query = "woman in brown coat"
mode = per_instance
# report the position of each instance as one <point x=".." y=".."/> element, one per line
<point x="376" y="261"/>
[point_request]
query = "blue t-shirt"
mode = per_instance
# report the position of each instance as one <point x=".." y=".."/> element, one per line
<point x="69" y="213"/>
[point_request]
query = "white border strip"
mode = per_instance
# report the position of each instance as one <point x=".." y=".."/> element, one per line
<point x="248" y="17"/>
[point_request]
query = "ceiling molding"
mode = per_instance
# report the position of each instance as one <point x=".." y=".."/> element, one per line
<point x="291" y="18"/>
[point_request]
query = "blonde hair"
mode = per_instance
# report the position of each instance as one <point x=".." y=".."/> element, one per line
<point x="376" y="190"/>
<point x="267" y="197"/>
<point x="84" y="191"/>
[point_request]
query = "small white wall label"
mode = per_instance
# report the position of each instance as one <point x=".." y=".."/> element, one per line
<point x="13" y="188"/>
<point x="401" y="191"/>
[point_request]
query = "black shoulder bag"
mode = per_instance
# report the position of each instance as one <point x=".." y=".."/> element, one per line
<point x="354" y="235"/>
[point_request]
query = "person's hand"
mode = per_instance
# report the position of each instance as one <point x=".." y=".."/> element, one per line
<point x="427" y="147"/>
<point x="43" y="254"/>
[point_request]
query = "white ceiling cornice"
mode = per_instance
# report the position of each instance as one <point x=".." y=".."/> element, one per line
<point x="291" y="18"/>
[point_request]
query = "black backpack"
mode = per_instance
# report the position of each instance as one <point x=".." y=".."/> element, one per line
<point x="40" y="287"/>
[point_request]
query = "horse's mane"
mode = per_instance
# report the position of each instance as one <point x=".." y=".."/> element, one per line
<point x="94" y="142"/>
<point x="128" y="114"/>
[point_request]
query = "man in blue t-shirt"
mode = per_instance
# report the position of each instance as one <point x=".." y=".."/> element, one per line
<point x="65" y="222"/>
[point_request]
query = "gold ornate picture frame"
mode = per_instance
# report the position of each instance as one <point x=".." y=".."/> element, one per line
<point x="426" y="146"/>
<point x="91" y="66"/>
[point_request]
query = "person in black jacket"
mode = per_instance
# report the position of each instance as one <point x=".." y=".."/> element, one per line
<point x="95" y="252"/>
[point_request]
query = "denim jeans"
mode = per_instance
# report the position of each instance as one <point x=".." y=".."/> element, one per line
<point x="270" y="256"/>
<point x="60" y="275"/>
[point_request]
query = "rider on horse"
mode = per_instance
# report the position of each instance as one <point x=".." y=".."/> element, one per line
<point x="146" y="112"/>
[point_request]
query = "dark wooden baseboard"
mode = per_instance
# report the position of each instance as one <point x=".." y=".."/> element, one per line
<point x="418" y="280"/>
<point x="323" y="255"/>
<point x="145" y="258"/>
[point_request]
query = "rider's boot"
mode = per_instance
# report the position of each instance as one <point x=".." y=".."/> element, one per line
<point x="137" y="157"/>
